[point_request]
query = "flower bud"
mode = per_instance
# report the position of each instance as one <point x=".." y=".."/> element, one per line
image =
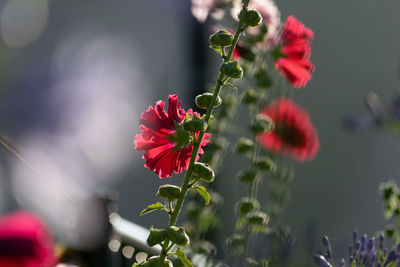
<point x="177" y="235"/>
<point x="244" y="145"/>
<point x="204" y="100"/>
<point x="258" y="217"/>
<point x="169" y="191"/>
<point x="236" y="241"/>
<point x="204" y="172"/>
<point x="249" y="97"/>
<point x="265" y="164"/>
<point x="262" y="79"/>
<point x="246" y="205"/>
<point x="195" y="124"/>
<point x="252" y="18"/>
<point x="156" y="236"/>
<point x="247" y="176"/>
<point x="221" y="38"/>
<point x="245" y="52"/>
<point x="262" y="124"/>
<point x="232" y="69"/>
<point x="153" y="262"/>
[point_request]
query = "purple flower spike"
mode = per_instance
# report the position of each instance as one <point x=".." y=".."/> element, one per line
<point x="381" y="241"/>
<point x="355" y="237"/>
<point x="371" y="245"/>
<point x="327" y="246"/>
<point x="322" y="261"/>
<point x="357" y="247"/>
<point x="390" y="258"/>
<point x="363" y="242"/>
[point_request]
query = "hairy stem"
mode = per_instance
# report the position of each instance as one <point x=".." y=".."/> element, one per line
<point x="221" y="81"/>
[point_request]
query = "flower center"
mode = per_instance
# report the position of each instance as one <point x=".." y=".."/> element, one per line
<point x="290" y="134"/>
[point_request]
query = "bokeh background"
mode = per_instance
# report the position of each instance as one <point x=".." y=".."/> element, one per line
<point x="76" y="75"/>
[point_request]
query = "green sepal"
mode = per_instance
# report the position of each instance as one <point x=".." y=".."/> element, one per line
<point x="155" y="237"/>
<point x="169" y="191"/>
<point x="177" y="235"/>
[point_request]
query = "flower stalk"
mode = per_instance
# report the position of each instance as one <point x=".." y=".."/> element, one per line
<point x="221" y="81"/>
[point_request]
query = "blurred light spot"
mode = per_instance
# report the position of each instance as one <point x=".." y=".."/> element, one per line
<point x="114" y="245"/>
<point x="141" y="256"/>
<point x="23" y="21"/>
<point x="114" y="218"/>
<point x="128" y="251"/>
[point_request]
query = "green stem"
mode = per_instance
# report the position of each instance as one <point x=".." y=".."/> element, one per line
<point x="221" y="81"/>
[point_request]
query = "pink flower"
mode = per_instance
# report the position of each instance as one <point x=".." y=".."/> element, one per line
<point x="160" y="138"/>
<point x="293" y="134"/>
<point x="292" y="57"/>
<point x="25" y="241"/>
<point x="271" y="19"/>
<point x="202" y="8"/>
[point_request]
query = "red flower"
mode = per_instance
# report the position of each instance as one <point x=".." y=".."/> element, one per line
<point x="160" y="135"/>
<point x="25" y="242"/>
<point x="293" y="134"/>
<point x="292" y="57"/>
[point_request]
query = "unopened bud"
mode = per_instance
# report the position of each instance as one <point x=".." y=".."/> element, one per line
<point x="262" y="124"/>
<point x="252" y="18"/>
<point x="265" y="164"/>
<point x="195" y="124"/>
<point x="203" y="101"/>
<point x="156" y="236"/>
<point x="247" y="176"/>
<point x="236" y="241"/>
<point x="258" y="217"/>
<point x="232" y="69"/>
<point x="169" y="191"/>
<point x="246" y="205"/>
<point x="244" y="145"/>
<point x="249" y="97"/>
<point x="262" y="79"/>
<point x="153" y="262"/>
<point x="204" y="172"/>
<point x="221" y="38"/>
<point x="177" y="235"/>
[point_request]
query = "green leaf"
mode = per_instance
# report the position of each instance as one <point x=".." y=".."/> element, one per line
<point x="203" y="192"/>
<point x="232" y="85"/>
<point x="183" y="258"/>
<point x="152" y="207"/>
<point x="216" y="49"/>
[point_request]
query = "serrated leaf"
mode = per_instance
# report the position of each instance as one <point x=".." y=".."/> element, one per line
<point x="216" y="49"/>
<point x="203" y="192"/>
<point x="232" y="85"/>
<point x="152" y="207"/>
<point x="183" y="258"/>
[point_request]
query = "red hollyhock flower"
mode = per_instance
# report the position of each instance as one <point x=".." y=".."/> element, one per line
<point x="25" y="242"/>
<point x="292" y="56"/>
<point x="293" y="134"/>
<point x="161" y="138"/>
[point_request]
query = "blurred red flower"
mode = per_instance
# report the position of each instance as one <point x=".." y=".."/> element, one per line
<point x="25" y="241"/>
<point x="163" y="152"/>
<point x="292" y="56"/>
<point x="293" y="134"/>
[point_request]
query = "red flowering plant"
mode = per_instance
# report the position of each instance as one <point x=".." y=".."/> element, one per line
<point x="173" y="140"/>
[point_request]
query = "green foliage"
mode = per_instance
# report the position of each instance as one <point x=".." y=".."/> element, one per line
<point x="152" y="207"/>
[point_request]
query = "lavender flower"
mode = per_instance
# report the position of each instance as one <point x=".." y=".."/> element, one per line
<point x="362" y="253"/>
